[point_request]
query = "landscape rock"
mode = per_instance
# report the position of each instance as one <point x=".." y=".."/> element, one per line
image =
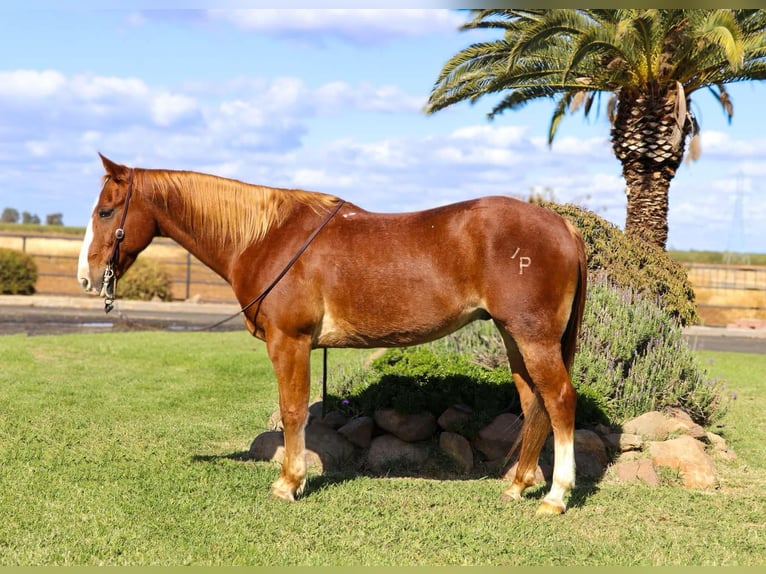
<point x="458" y="447"/>
<point x="333" y="419"/>
<point x="358" y="431"/>
<point x="590" y="454"/>
<point x="326" y="449"/>
<point x="602" y="429"/>
<point x="388" y="450"/>
<point x="496" y="439"/>
<point x="623" y="442"/>
<point x="333" y="449"/>
<point x="408" y="427"/>
<point x="720" y="448"/>
<point x="634" y="470"/>
<point x="651" y="426"/>
<point x="390" y="439"/>
<point x="315" y="411"/>
<point x="269" y="445"/>
<point x="453" y="417"/>
<point x="686" y="455"/>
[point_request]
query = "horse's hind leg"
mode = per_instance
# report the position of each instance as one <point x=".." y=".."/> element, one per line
<point x="536" y="427"/>
<point x="545" y="374"/>
<point x="290" y="358"/>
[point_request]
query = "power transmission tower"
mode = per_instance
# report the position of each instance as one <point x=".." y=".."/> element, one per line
<point x="735" y="249"/>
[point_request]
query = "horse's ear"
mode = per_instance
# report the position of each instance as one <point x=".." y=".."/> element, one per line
<point x="116" y="171"/>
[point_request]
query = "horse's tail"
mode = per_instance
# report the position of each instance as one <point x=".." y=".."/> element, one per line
<point x="569" y="338"/>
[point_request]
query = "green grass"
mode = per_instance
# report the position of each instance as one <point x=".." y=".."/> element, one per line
<point x="41" y="229"/>
<point x="713" y="257"/>
<point x="124" y="449"/>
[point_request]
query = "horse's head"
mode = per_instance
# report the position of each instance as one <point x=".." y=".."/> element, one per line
<point x="120" y="227"/>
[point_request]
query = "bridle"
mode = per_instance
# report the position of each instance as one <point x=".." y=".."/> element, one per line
<point x="109" y="280"/>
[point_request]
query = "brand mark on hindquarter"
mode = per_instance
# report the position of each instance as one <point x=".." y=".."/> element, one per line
<point x="524" y="261"/>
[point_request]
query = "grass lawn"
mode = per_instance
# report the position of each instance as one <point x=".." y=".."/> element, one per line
<point x="122" y="449"/>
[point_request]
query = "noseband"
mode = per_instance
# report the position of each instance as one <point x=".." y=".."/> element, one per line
<point x="109" y="280"/>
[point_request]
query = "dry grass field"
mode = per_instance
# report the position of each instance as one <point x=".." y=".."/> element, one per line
<point x="725" y="294"/>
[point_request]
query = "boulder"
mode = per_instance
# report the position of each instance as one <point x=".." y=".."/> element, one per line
<point x="388" y="450"/>
<point x="269" y="445"/>
<point x="333" y="449"/>
<point x="358" y="431"/>
<point x="590" y="454"/>
<point x="326" y="449"/>
<point x="686" y="455"/>
<point x="457" y="447"/>
<point x="641" y="469"/>
<point x="453" y="417"/>
<point x="496" y="439"/>
<point x="408" y="427"/>
<point x="623" y="442"/>
<point x="651" y="426"/>
<point x="333" y="419"/>
<point x="720" y="448"/>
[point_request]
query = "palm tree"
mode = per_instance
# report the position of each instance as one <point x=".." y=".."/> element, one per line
<point x="649" y="63"/>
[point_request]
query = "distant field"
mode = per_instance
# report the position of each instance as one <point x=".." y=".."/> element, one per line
<point x="35" y="228"/>
<point x="694" y="256"/>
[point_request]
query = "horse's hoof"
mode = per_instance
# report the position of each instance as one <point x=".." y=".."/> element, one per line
<point x="279" y="492"/>
<point x="512" y="493"/>
<point x="548" y="508"/>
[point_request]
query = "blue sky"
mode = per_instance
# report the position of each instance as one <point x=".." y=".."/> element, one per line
<point x="329" y="100"/>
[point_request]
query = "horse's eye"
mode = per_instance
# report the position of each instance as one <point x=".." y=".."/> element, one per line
<point x="105" y="213"/>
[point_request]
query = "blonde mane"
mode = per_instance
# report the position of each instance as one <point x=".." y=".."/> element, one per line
<point x="227" y="210"/>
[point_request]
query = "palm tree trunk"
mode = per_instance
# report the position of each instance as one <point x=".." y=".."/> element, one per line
<point x="648" y="137"/>
<point x="647" y="214"/>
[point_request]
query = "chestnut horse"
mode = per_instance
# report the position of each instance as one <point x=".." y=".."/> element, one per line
<point x="366" y="280"/>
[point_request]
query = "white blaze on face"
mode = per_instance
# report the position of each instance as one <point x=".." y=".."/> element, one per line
<point x="83" y="267"/>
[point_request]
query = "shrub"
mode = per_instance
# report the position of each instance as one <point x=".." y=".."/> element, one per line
<point x="18" y="272"/>
<point x="631" y="264"/>
<point x="144" y="281"/>
<point x="633" y="359"/>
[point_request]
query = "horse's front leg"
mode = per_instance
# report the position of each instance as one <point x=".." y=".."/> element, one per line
<point x="290" y="357"/>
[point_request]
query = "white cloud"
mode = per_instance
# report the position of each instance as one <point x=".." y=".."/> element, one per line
<point x="338" y="96"/>
<point x="358" y="26"/>
<point x="34" y="84"/>
<point x="720" y="144"/>
<point x="167" y="109"/>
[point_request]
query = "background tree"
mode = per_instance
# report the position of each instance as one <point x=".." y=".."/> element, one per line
<point x="650" y="62"/>
<point x="27" y="217"/>
<point x="54" y="219"/>
<point x="10" y="215"/>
